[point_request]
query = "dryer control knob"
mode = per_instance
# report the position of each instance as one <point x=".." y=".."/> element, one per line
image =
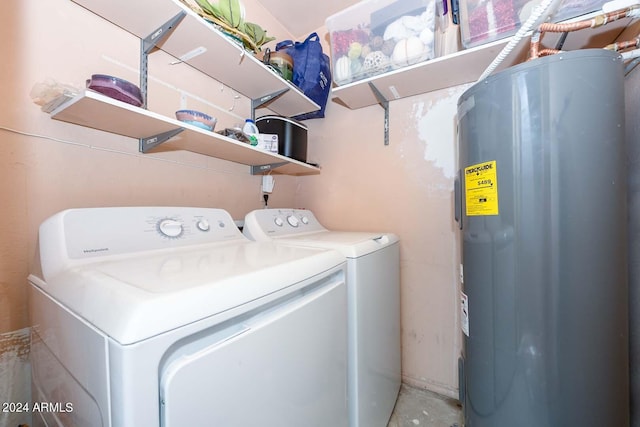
<point x="304" y="220"/>
<point x="278" y="221"/>
<point x="203" y="225"/>
<point x="170" y="227"/>
<point x="293" y="221"/>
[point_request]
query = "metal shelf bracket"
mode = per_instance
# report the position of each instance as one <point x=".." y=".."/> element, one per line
<point x="260" y="169"/>
<point x="146" y="46"/>
<point x="384" y="103"/>
<point x="146" y="144"/>
<point x="259" y="102"/>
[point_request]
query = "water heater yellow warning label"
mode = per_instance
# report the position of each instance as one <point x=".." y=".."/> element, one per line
<point x="481" y="189"/>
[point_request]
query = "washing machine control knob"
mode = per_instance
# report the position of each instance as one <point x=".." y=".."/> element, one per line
<point x="170" y="227"/>
<point x="278" y="221"/>
<point x="293" y="221"/>
<point x="203" y="225"/>
<point x="305" y="220"/>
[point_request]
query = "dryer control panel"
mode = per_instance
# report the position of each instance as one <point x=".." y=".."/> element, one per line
<point x="78" y="234"/>
<point x="269" y="223"/>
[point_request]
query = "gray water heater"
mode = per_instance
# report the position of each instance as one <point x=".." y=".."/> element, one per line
<point x="542" y="211"/>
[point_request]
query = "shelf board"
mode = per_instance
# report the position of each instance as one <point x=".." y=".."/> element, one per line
<point x="462" y="67"/>
<point x="94" y="110"/>
<point x="223" y="59"/>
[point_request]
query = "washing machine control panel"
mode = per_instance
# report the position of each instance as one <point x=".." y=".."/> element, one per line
<point x="107" y="231"/>
<point x="293" y="220"/>
<point x="194" y="227"/>
<point x="175" y="228"/>
<point x="203" y="225"/>
<point x="170" y="227"/>
<point x="271" y="223"/>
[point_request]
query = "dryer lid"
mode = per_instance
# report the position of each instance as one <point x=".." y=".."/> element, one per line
<point x="135" y="272"/>
<point x="134" y="297"/>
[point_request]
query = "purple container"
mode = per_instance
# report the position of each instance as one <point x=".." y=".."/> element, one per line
<point x="116" y="88"/>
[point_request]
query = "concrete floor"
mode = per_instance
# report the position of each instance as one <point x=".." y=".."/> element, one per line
<point x="417" y="407"/>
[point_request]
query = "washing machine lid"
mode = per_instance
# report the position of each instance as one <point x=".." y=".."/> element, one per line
<point x="134" y="297"/>
<point x="350" y="244"/>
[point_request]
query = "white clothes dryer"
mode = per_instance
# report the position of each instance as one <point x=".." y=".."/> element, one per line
<point x="373" y="289"/>
<point x="170" y="317"/>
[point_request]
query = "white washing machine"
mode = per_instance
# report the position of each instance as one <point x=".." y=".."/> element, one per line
<point x="171" y="317"/>
<point x="373" y="288"/>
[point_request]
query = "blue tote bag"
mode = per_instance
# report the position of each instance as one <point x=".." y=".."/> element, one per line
<point x="311" y="71"/>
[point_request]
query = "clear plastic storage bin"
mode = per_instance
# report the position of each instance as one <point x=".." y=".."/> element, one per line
<point x="483" y="21"/>
<point x="376" y="36"/>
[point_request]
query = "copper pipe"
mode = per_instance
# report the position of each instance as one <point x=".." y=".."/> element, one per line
<point x="549" y="27"/>
<point x="624" y="45"/>
<point x="534" y="50"/>
<point x="548" y="52"/>
<point x="597" y="21"/>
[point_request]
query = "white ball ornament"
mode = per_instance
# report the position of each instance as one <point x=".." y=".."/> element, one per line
<point x="407" y="52"/>
<point x="375" y="63"/>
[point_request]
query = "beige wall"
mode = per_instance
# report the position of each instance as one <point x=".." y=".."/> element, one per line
<point x="405" y="188"/>
<point x="47" y="166"/>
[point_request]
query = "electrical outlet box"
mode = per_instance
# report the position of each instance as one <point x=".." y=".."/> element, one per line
<point x="267" y="183"/>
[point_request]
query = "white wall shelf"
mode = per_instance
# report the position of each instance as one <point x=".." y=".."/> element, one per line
<point x="94" y="110"/>
<point x="461" y="67"/>
<point x="222" y="58"/>
<point x="171" y="26"/>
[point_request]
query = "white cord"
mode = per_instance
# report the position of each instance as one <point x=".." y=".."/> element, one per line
<point x="537" y="17"/>
<point x="50" y="138"/>
<point x="109" y="150"/>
